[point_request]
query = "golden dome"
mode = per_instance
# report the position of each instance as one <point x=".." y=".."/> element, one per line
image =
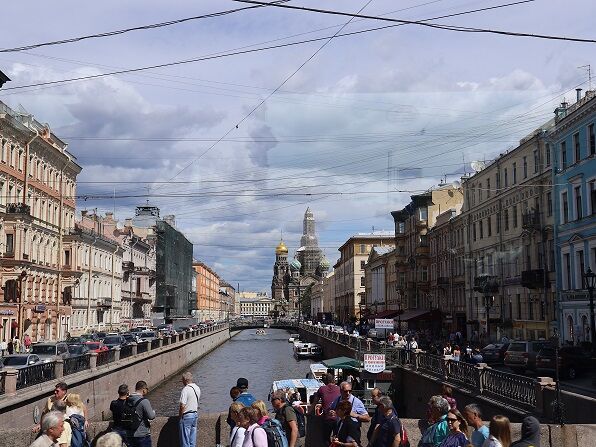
<point x="281" y="249"/>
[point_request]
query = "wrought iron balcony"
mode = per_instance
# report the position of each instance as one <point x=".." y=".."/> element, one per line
<point x="534" y="279"/>
<point x="18" y="208"/>
<point x="486" y="284"/>
<point x="128" y="266"/>
<point x="531" y="220"/>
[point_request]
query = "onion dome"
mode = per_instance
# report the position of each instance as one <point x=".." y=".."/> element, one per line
<point x="295" y="265"/>
<point x="324" y="265"/>
<point x="281" y="249"/>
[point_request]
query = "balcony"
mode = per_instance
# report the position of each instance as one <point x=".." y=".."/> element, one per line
<point x="18" y="208"/>
<point x="534" y="279"/>
<point x="128" y="266"/>
<point x="486" y="284"/>
<point x="531" y="220"/>
<point x="422" y="249"/>
<point x="104" y="302"/>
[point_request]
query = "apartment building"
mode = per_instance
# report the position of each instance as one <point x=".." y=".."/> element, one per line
<point x="208" y="301"/>
<point x="508" y="217"/>
<point x="349" y="277"/>
<point x="37" y="208"/>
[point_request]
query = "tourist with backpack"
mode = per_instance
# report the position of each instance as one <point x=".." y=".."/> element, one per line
<point x="275" y="432"/>
<point x="359" y="413"/>
<point x="389" y="431"/>
<point x="346" y="432"/>
<point x="255" y="436"/>
<point x="288" y="418"/>
<point x="136" y="415"/>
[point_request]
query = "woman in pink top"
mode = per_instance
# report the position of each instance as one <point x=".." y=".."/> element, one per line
<point x="255" y="436"/>
<point x="262" y="412"/>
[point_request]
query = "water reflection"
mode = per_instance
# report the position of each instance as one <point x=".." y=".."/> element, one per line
<point x="261" y="359"/>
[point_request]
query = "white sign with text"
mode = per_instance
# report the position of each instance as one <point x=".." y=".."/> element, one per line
<point x="374" y="363"/>
<point x="384" y="323"/>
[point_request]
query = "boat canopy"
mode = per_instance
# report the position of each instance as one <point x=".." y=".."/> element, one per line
<point x="342" y="363"/>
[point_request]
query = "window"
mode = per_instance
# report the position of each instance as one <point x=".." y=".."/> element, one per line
<point x="514" y="215"/>
<point x="423" y="273"/>
<point x="362" y="248"/>
<point x="401" y="227"/>
<point x="581" y="269"/>
<point x="563" y="155"/>
<point x="536" y="161"/>
<point x="474" y="230"/>
<point x="487" y="187"/>
<point x="564" y="208"/>
<point x="481" y="228"/>
<point x="567" y="271"/>
<point x="530" y="309"/>
<point x="423" y="213"/>
<point x="489" y="229"/>
<point x="514" y="173"/>
<point x="506" y="219"/>
<point x="362" y="284"/>
<point x="10" y="244"/>
<point x="547" y="155"/>
<point x="549" y="203"/>
<point x="498" y="180"/>
<point x="505" y="178"/>
<point x="526" y="167"/>
<point x="362" y="264"/>
<point x="480" y="191"/>
<point x="577" y="192"/>
<point x="519" y="306"/>
<point x="66" y="257"/>
<point x="592" y="194"/>
<point x="498" y="229"/>
<point x="591" y="140"/>
<point x="576" y="147"/>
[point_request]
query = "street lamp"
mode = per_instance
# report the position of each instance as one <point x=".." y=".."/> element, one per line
<point x="489" y="301"/>
<point x="399" y="309"/>
<point x="557" y="404"/>
<point x="590" y="278"/>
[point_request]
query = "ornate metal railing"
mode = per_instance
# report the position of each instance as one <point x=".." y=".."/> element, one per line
<point x="519" y="390"/>
<point x="463" y="373"/>
<point x="34" y="374"/>
<point x="105" y="357"/>
<point x="125" y="351"/>
<point x="142" y="347"/>
<point x="166" y="341"/>
<point x="432" y="364"/>
<point x="2" y="382"/>
<point x="75" y="364"/>
<point x="155" y="343"/>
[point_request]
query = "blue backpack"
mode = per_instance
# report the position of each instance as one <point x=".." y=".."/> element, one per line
<point x="275" y="433"/>
<point x="77" y="425"/>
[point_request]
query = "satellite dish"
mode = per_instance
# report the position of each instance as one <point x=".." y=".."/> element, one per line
<point x="478" y="165"/>
<point x="456" y="184"/>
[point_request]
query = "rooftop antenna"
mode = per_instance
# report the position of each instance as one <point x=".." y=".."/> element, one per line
<point x="463" y="159"/>
<point x="588" y="68"/>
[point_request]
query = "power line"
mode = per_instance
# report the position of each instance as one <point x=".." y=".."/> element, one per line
<point x="128" y="30"/>
<point x="244" y="51"/>
<point x="464" y="29"/>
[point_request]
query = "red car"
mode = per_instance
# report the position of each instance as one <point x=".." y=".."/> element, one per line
<point x="96" y="346"/>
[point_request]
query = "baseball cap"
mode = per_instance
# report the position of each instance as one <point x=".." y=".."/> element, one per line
<point x="242" y="383"/>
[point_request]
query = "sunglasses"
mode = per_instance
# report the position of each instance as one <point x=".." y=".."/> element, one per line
<point x="452" y="419"/>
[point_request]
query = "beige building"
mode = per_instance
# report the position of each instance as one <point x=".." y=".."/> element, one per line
<point x="37" y="208"/>
<point x="349" y="278"/>
<point x="508" y="215"/>
<point x="381" y="283"/>
<point x="255" y="304"/>
<point x="412" y="225"/>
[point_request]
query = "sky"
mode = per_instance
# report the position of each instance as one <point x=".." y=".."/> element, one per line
<point x="237" y="146"/>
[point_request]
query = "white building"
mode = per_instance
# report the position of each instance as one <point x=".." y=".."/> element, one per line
<point x="255" y="304"/>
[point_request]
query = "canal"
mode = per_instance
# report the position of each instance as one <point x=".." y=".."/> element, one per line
<point x="260" y="359"/>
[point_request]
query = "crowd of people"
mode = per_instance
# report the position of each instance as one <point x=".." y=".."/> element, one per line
<point x="335" y="413"/>
<point x="15" y="345"/>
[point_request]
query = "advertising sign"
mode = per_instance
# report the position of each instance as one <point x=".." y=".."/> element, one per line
<point x="374" y="363"/>
<point x="384" y="323"/>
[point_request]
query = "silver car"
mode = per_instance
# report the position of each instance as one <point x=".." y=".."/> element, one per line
<point x="18" y="361"/>
<point x="48" y="351"/>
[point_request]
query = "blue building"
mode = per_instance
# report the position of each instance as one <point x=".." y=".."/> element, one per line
<point x="573" y="150"/>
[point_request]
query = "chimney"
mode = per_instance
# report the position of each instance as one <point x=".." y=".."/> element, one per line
<point x="578" y="92"/>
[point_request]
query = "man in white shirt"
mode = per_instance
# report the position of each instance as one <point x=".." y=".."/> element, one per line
<point x="188" y="411"/>
<point x="52" y="425"/>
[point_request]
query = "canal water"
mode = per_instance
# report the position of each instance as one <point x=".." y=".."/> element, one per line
<point x="260" y="359"/>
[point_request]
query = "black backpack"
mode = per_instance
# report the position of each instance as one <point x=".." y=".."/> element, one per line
<point x="131" y="420"/>
<point x="300" y="422"/>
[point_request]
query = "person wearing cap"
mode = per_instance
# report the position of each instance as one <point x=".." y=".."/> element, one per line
<point x="245" y="398"/>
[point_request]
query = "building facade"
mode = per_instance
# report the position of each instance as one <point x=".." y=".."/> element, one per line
<point x="230" y="291"/>
<point x="208" y="293"/>
<point x="37" y="208"/>
<point x="255" y="305"/>
<point x="508" y="215"/>
<point x="573" y="146"/>
<point x="349" y="277"/>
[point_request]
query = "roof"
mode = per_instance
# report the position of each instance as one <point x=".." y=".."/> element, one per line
<point x="384" y="314"/>
<point x="383" y="250"/>
<point x="296" y="383"/>
<point x="342" y="363"/>
<point x="414" y="314"/>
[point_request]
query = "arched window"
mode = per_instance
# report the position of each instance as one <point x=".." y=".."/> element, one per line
<point x="570" y="334"/>
<point x="585" y="328"/>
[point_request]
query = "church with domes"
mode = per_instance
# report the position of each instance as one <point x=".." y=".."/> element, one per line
<point x="291" y="279"/>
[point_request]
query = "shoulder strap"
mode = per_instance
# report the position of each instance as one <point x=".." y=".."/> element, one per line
<point x="138" y="402"/>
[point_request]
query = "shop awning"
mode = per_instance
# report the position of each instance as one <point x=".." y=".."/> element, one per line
<point x="412" y="315"/>
<point x="384" y="314"/>
<point x="342" y="363"/>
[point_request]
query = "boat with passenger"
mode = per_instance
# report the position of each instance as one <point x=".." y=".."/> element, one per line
<point x="317" y="371"/>
<point x="293" y="338"/>
<point x="305" y="387"/>
<point x="260" y="332"/>
<point x="307" y="350"/>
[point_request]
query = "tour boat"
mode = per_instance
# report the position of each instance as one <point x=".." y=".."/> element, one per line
<point x="306" y="388"/>
<point x="293" y="338"/>
<point x="317" y="371"/>
<point x="260" y="332"/>
<point x="307" y="350"/>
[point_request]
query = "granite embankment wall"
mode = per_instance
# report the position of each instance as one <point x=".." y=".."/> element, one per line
<point x="213" y="431"/>
<point x="99" y="387"/>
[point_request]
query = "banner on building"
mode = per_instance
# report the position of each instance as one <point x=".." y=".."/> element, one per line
<point x="384" y="323"/>
<point x="374" y="363"/>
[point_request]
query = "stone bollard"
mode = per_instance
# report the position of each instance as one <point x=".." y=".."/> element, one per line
<point x="541" y="384"/>
<point x="160" y="345"/>
<point x="117" y="353"/>
<point x="93" y="361"/>
<point x="134" y="348"/>
<point x="59" y="367"/>
<point x="10" y="382"/>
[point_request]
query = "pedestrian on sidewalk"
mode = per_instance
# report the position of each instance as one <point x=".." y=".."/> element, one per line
<point x="116" y="407"/>
<point x="52" y="426"/>
<point x="141" y="437"/>
<point x="500" y="432"/>
<point x="188" y="411"/>
<point x="530" y="433"/>
<point x="255" y="435"/>
<point x="473" y="416"/>
<point x="237" y="434"/>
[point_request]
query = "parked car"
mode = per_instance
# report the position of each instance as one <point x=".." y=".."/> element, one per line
<point x="521" y="355"/>
<point x="113" y="341"/>
<point x="373" y="333"/>
<point x="47" y="351"/>
<point x="18" y="361"/>
<point x="88" y="337"/>
<point x="100" y="335"/>
<point x="494" y="353"/>
<point x="96" y="346"/>
<point x="130" y="337"/>
<point x="573" y="360"/>
<point x="75" y="340"/>
<point x="147" y="336"/>
<point x="78" y="349"/>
